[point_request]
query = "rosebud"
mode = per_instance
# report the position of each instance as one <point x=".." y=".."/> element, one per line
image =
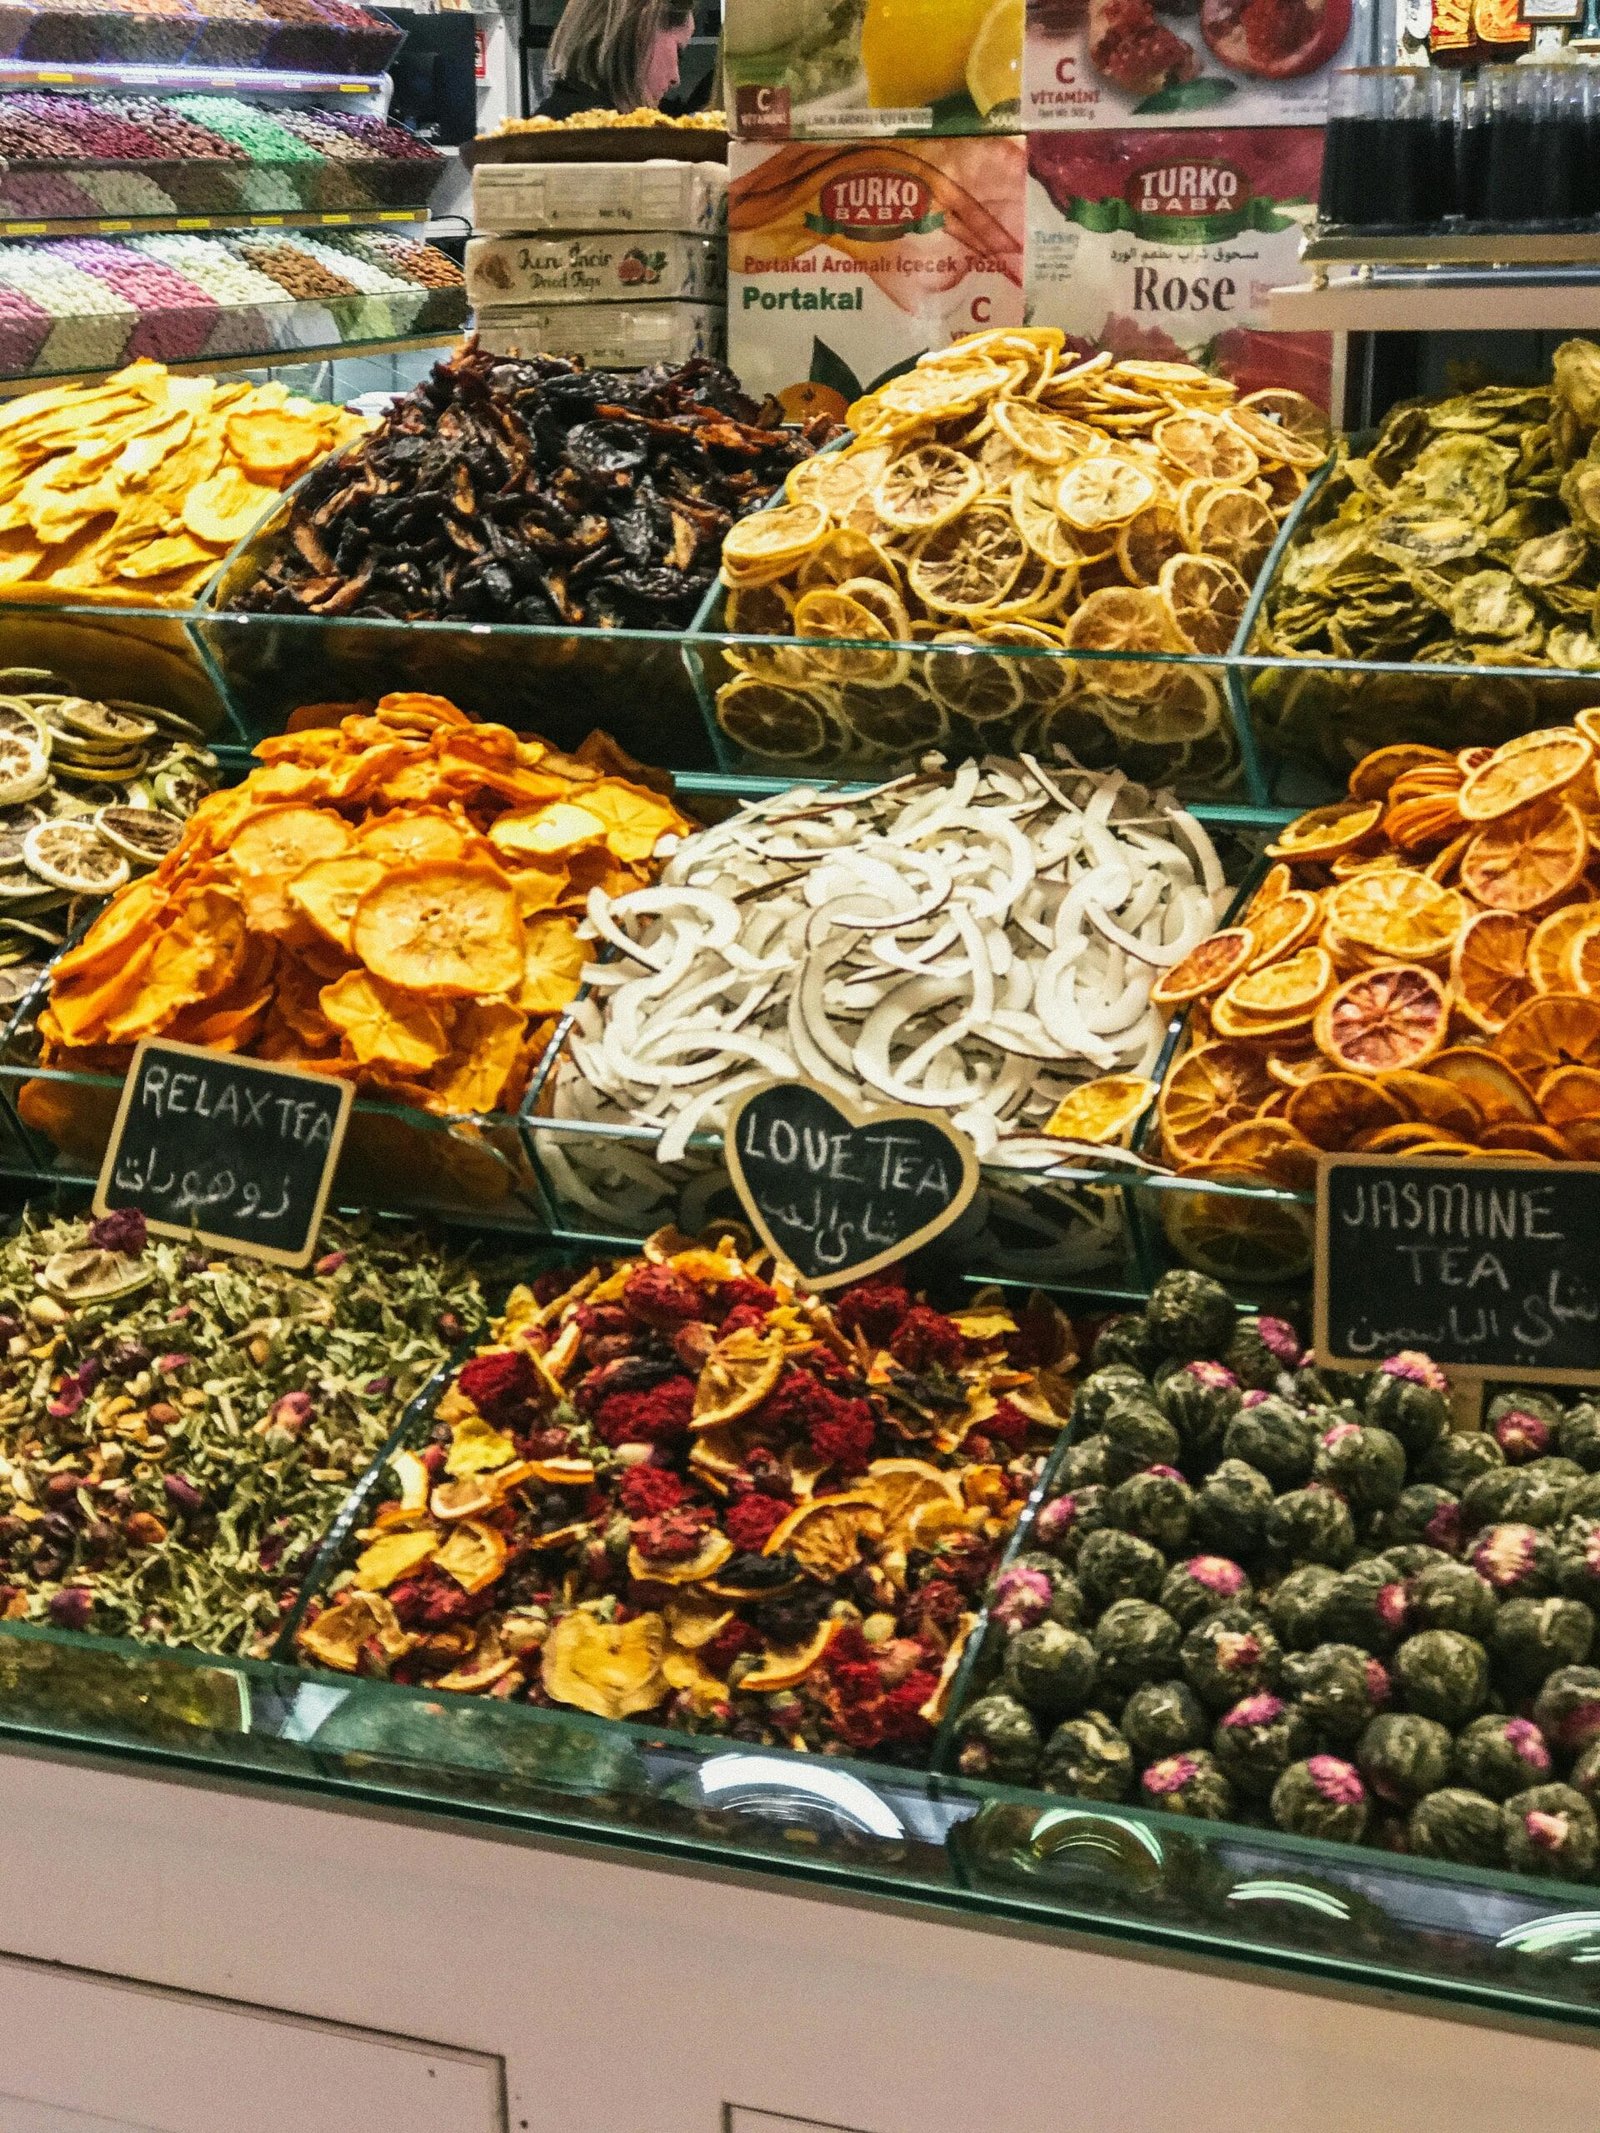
<point x="293" y="1411"/>
<point x="182" y="1493"/>
<point x="329" y="1263"/>
<point x="71" y="1607"/>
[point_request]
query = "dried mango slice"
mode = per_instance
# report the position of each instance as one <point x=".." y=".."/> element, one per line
<point x="612" y="1669"/>
<point x="474" y="1555"/>
<point x="272" y="444"/>
<point x="384" y="1025"/>
<point x="222" y="509"/>
<point x="392" y="1557"/>
<point x="442" y="927"/>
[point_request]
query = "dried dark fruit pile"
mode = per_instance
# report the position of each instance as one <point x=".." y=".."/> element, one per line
<point x="179" y="1427"/>
<point x="681" y="1489"/>
<point x="1263" y="1594"/>
<point x="535" y="492"/>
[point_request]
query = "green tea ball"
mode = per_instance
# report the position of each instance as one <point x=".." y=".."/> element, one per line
<point x="1533" y="1637"/>
<point x="1533" y="1495"/>
<point x="1083" y="1465"/>
<point x="1199" y="1400"/>
<point x="1425" y="1513"/>
<point x="1230" y="1510"/>
<point x="1256" y="1740"/>
<point x="1340" y="1688"/>
<point x="1410" y="1559"/>
<point x="1190" y="1315"/>
<point x="1551" y="1831"/>
<point x="1126" y="1340"/>
<point x="1404" y="1756"/>
<point x="1203" y="1586"/>
<point x="1458" y="1825"/>
<point x="1068" y="1606"/>
<point x="1458" y="1459"/>
<point x="1367" y="1606"/>
<point x="1500" y="1756"/>
<point x="1578" y="1437"/>
<point x="1067" y="1520"/>
<point x="1583" y="1498"/>
<point x="1188" y="1784"/>
<point x="1120" y="1566"/>
<point x="1102" y="1390"/>
<point x="1137" y="1435"/>
<point x="1261" y="1351"/>
<point x="1443" y="1675"/>
<point x="1578" y="1559"/>
<point x="1296" y="1604"/>
<point x="1567" y="1709"/>
<point x="996" y="1738"/>
<point x="1163" y="1718"/>
<point x="1410" y="1395"/>
<point x="1136" y="1642"/>
<point x="1312" y="1525"/>
<point x="1367" y="1465"/>
<point x="1275" y="1438"/>
<point x="1518" y="1560"/>
<point x="1322" y="1797"/>
<point x="1586" y="1774"/>
<point x="1088" y="1758"/>
<point x="1050" y="1669"/>
<point x="1157" y="1505"/>
<point x="1229" y="1655"/>
<point x="1452" y="1596"/>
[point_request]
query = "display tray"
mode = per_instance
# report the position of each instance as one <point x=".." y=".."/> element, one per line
<point x="599" y="144"/>
<point x="222" y="76"/>
<point x="173" y="220"/>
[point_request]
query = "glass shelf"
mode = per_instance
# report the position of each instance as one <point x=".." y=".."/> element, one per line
<point x="279" y="353"/>
<point x="154" y="225"/>
<point x="178" y="76"/>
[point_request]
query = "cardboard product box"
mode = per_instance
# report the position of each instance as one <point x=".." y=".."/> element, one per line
<point x="1170" y="63"/>
<point x="511" y="199"/>
<point x="607" y="336"/>
<point x="827" y="70"/>
<point x="603" y="267"/>
<point x="1167" y="244"/>
<point x="844" y="266"/>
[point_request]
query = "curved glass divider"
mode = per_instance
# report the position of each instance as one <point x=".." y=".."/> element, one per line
<point x="143" y="655"/>
<point x="1371" y="1920"/>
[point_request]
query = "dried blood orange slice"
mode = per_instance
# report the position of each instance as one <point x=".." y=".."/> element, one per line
<point x="1533" y="767"/>
<point x="1205" y="969"/>
<point x="1552" y="937"/>
<point x="1396" y="1015"/>
<point x="1434" y="1101"/>
<point x="1327" y="831"/>
<point x="1272" y="1146"/>
<point x="1489" y="968"/>
<point x="1332" y="1110"/>
<point x="1212" y="1087"/>
<point x="1497" y="1091"/>
<point x="1526" y="860"/>
<point x="1570" y="1094"/>
<point x="1283" y="926"/>
<point x="1557" y="1029"/>
<point x="1288" y="988"/>
<point x="1103" y="1111"/>
<point x="1375" y="775"/>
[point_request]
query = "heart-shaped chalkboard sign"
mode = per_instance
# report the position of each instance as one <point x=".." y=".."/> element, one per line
<point x="838" y="1191"/>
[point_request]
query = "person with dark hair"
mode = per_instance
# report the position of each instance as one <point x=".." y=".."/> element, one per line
<point x="616" y="55"/>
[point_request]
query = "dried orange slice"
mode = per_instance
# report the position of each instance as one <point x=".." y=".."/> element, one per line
<point x="1497" y="1091"/>
<point x="1435" y="1101"/>
<point x="1557" y="1029"/>
<point x="1272" y="1146"/>
<point x="1283" y="925"/>
<point x="1375" y="775"/>
<point x="1276" y="882"/>
<point x="1206" y="968"/>
<point x="1326" y="832"/>
<point x="1526" y="860"/>
<point x="1397" y="914"/>
<point x="1404" y="1139"/>
<point x="1235" y="1238"/>
<point x="1394" y="1016"/>
<point x="1288" y="988"/>
<point x="1413" y="824"/>
<point x="1332" y="1110"/>
<point x="1293" y="1067"/>
<point x="1511" y="1137"/>
<point x="1551" y="939"/>
<point x="1205" y="600"/>
<point x="1580" y="961"/>
<point x="1213" y="1086"/>
<point x="1489" y="968"/>
<point x="1530" y="768"/>
<point x="1103" y="1111"/>
<point x="443" y="926"/>
<point x="1570" y="1094"/>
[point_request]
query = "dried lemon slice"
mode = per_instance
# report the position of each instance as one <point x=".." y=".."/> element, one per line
<point x="1149" y="541"/>
<point x="24" y="769"/>
<point x="926" y="489"/>
<point x="1103" y="492"/>
<point x="779" y="536"/>
<point x="840" y="629"/>
<point x="74" y="856"/>
<point x="834" y="481"/>
<point x="1208" y="446"/>
<point x="1041" y="525"/>
<point x="1121" y="619"/>
<point x="969" y="565"/>
<point x="1035" y="434"/>
<point x="783" y="725"/>
<point x="1233" y="524"/>
<point x="1205" y="600"/>
<point x="142" y="834"/>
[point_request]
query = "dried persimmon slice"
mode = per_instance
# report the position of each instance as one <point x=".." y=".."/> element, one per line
<point x="1555" y="1029"/>
<point x="1206" y="968"/>
<point x="1212" y="1087"/>
<point x="1524" y="861"/>
<point x="1333" y="1110"/>
<point x="1396" y="1015"/>
<point x="1489" y="968"/>
<point x="1532" y="767"/>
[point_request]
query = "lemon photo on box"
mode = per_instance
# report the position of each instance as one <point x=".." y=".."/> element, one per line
<point x="896" y="66"/>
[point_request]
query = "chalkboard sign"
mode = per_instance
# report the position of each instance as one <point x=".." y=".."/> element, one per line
<point x="837" y="1191"/>
<point x="1489" y="1268"/>
<point x="235" y="1151"/>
